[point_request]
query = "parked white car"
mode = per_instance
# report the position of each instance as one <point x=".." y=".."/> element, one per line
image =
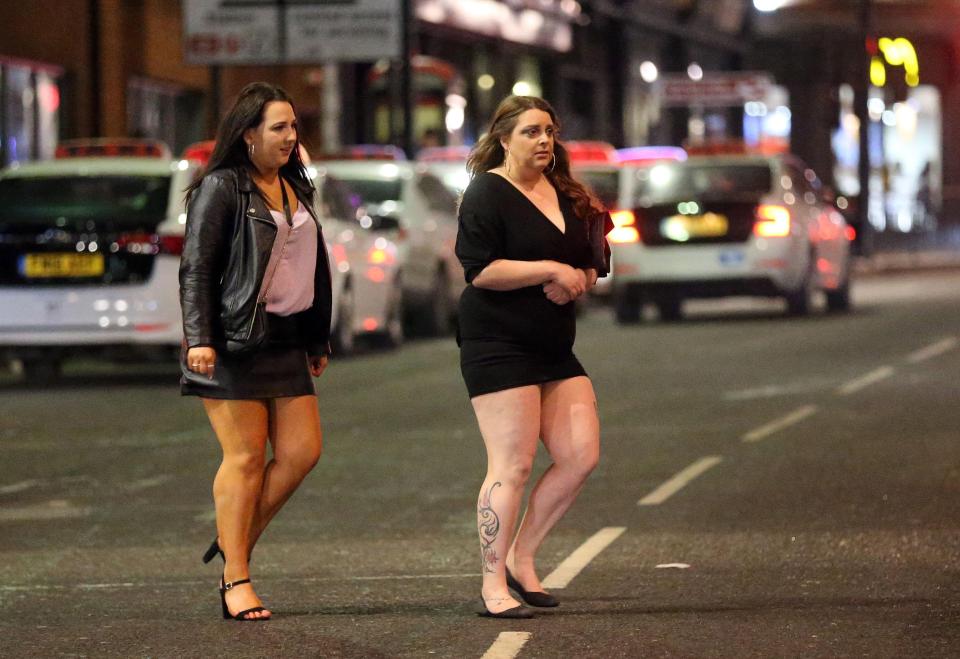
<point x="424" y="211"/>
<point x="722" y="226"/>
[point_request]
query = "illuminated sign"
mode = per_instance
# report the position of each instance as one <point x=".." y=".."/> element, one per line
<point x="896" y="52"/>
<point x="544" y="23"/>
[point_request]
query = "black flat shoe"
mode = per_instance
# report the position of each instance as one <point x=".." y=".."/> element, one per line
<point x="242" y="616"/>
<point x="531" y="597"/>
<point x="517" y="612"/>
<point x="213" y="550"/>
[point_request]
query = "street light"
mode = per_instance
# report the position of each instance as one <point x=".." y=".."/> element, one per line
<point x="768" y="5"/>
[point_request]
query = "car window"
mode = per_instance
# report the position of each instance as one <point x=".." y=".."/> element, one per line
<point x="673" y="181"/>
<point x="373" y="191"/>
<point x="336" y="200"/>
<point x="606" y="185"/>
<point x="438" y="197"/>
<point x="117" y="200"/>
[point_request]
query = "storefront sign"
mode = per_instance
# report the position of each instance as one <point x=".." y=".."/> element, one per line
<point x="714" y="89"/>
<point x="544" y="23"/>
<point x="229" y="32"/>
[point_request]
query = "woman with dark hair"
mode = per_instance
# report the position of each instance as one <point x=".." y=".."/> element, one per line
<point x="256" y="298"/>
<point x="524" y="242"/>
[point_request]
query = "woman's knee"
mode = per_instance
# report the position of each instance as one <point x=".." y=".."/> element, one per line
<point x="514" y="473"/>
<point x="247" y="463"/>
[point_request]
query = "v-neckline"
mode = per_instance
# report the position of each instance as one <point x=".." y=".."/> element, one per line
<point x="563" y="231"/>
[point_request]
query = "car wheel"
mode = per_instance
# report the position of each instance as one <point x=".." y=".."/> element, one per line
<point x="42" y="371"/>
<point x="434" y="318"/>
<point x="838" y="300"/>
<point x="393" y="333"/>
<point x="670" y="308"/>
<point x="343" y="338"/>
<point x="800" y="301"/>
<point x="626" y="305"/>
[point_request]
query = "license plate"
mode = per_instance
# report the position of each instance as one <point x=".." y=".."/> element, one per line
<point x="688" y="227"/>
<point x="38" y="266"/>
<point x="732" y="257"/>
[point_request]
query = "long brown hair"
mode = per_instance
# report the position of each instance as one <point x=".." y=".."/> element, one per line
<point x="488" y="153"/>
<point x="247" y="111"/>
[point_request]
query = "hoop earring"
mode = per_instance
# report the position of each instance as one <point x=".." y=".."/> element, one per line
<point x="553" y="165"/>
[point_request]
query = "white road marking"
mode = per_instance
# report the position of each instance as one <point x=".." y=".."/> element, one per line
<point x="679" y="481"/>
<point x="53" y="509"/>
<point x="932" y="350"/>
<point x="766" y="430"/>
<point x="676" y="566"/>
<point x="13" y="488"/>
<point x="147" y="483"/>
<point x="581" y="557"/>
<point x="120" y="585"/>
<point x="865" y="381"/>
<point x="507" y="645"/>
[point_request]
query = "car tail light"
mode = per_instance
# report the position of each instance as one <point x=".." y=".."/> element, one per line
<point x="772" y="221"/>
<point x="625" y="229"/>
<point x="141" y="242"/>
<point x="171" y="244"/>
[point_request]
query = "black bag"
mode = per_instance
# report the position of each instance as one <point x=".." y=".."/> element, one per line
<point x="598" y="226"/>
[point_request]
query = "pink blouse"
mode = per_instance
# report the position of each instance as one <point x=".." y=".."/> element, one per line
<point x="288" y="282"/>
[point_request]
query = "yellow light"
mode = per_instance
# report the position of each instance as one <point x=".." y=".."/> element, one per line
<point x="623" y="218"/>
<point x="878" y="72"/>
<point x="900" y="52"/>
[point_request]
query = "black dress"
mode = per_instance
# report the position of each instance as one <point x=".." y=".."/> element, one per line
<point x="514" y="338"/>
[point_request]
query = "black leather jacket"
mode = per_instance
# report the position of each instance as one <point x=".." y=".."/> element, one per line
<point x="229" y="237"/>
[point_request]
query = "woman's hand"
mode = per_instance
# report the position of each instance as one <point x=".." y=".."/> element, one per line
<point x="591" y="274"/>
<point x="201" y="360"/>
<point x="572" y="280"/>
<point x="318" y="364"/>
<point x="556" y="293"/>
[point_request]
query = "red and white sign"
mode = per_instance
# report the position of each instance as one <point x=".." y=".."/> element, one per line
<point x="714" y="89"/>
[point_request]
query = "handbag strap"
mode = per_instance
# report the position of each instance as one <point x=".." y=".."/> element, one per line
<point x="286" y="212"/>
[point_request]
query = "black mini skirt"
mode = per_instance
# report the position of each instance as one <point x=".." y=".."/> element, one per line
<point x="494" y="365"/>
<point x="278" y="369"/>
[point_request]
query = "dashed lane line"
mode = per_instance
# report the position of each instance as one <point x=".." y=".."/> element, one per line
<point x="507" y="645"/>
<point x="932" y="350"/>
<point x="777" y="425"/>
<point x="581" y="557"/>
<point x="864" y="381"/>
<point x="679" y="481"/>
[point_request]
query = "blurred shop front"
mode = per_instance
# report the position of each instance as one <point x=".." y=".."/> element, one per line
<point x="470" y="54"/>
<point x="900" y="81"/>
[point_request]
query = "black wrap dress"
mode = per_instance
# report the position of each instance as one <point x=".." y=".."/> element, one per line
<point x="514" y="338"/>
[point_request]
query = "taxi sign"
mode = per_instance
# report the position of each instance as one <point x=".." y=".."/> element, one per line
<point x="112" y="148"/>
<point x="366" y="152"/>
<point x="41" y="266"/>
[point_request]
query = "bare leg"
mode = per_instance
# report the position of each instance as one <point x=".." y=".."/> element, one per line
<point x="241" y="428"/>
<point x="571" y="433"/>
<point x="297" y="443"/>
<point x="510" y="423"/>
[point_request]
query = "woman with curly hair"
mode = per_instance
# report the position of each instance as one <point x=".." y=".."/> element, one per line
<point x="524" y="244"/>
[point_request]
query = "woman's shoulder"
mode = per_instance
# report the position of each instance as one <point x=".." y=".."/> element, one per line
<point x="482" y="185"/>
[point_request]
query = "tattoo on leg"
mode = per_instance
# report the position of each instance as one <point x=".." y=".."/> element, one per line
<point x="489" y="526"/>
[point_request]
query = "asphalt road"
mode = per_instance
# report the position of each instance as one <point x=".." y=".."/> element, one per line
<point x="769" y="487"/>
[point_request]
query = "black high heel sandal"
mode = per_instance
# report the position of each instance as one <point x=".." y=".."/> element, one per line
<point x="213" y="550"/>
<point x="531" y="597"/>
<point x="240" y="617"/>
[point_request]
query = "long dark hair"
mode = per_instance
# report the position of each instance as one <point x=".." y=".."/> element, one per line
<point x="231" y="149"/>
<point x="488" y="153"/>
